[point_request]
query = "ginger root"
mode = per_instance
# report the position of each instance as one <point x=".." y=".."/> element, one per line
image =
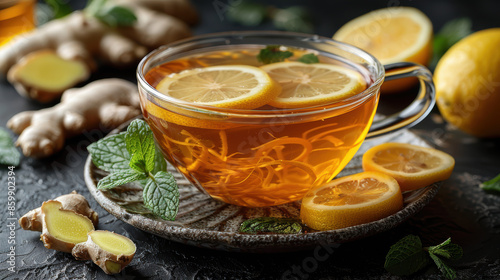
<point x="82" y="37"/>
<point x="74" y="201"/>
<point x="107" y="102"/>
<point x="63" y="229"/>
<point x="109" y="250"/>
<point x="66" y="226"/>
<point x="44" y="75"/>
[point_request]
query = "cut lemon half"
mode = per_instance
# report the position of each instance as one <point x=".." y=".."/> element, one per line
<point x="305" y="85"/>
<point x="225" y="86"/>
<point x="391" y="35"/>
<point x="352" y="200"/>
<point x="412" y="166"/>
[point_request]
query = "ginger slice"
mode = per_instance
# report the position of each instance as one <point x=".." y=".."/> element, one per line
<point x="44" y="75"/>
<point x="74" y="201"/>
<point x="62" y="229"/>
<point x="109" y="250"/>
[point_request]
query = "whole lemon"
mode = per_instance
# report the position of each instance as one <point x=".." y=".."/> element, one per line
<point x="467" y="80"/>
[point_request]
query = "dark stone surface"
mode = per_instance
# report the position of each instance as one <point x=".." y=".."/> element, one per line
<point x="460" y="210"/>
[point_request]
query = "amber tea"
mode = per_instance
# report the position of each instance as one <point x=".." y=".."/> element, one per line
<point x="16" y="16"/>
<point x="269" y="161"/>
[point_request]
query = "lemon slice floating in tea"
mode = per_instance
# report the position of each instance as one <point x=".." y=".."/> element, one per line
<point x="305" y="85"/>
<point x="352" y="200"/>
<point x="225" y="86"/>
<point x="412" y="166"/>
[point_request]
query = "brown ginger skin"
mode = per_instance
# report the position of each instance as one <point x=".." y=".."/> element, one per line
<point x="73" y="201"/>
<point x="103" y="103"/>
<point x="81" y="37"/>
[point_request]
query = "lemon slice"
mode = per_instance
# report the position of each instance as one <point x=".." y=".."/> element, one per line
<point x="412" y="166"/>
<point x="225" y="86"/>
<point x="352" y="200"/>
<point x="391" y="34"/>
<point x="305" y="85"/>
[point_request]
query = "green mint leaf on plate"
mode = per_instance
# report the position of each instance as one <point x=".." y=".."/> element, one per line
<point x="110" y="153"/>
<point x="141" y="145"/>
<point x="448" y="272"/>
<point x="132" y="156"/>
<point x="449" y="34"/>
<point x="9" y="155"/>
<point x="272" y="54"/>
<point x="138" y="163"/>
<point x="406" y="256"/>
<point x="295" y="18"/>
<point x="492" y="185"/>
<point x="309" y="58"/>
<point x="247" y="13"/>
<point x="271" y="225"/>
<point x="119" y="178"/>
<point x="161" y="195"/>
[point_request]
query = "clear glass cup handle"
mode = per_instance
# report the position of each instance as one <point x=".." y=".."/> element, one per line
<point x="418" y="109"/>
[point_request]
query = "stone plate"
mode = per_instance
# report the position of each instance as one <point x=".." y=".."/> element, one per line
<point x="205" y="222"/>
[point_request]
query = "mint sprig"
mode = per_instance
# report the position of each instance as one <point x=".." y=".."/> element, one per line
<point x="272" y="54"/>
<point x="132" y="156"/>
<point x="492" y="185"/>
<point x="271" y="225"/>
<point x="277" y="53"/>
<point x="408" y="256"/>
<point x="110" y="14"/>
<point x="9" y="155"/>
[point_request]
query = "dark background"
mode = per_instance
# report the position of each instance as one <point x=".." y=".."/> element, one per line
<point x="461" y="210"/>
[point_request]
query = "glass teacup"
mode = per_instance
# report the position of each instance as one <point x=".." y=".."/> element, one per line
<point x="268" y="156"/>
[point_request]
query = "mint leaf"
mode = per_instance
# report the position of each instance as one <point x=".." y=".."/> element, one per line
<point x="141" y="145"/>
<point x="271" y="225"/>
<point x="272" y="54"/>
<point x="492" y="185"/>
<point x="446" y="249"/>
<point x="406" y="256"/>
<point x="161" y="195"/>
<point x="448" y="272"/>
<point x="452" y="32"/>
<point x="110" y="153"/>
<point x="309" y="58"/>
<point x="9" y="155"/>
<point x="119" y="178"/>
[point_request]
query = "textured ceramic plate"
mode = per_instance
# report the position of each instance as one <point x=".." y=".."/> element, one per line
<point x="204" y="222"/>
